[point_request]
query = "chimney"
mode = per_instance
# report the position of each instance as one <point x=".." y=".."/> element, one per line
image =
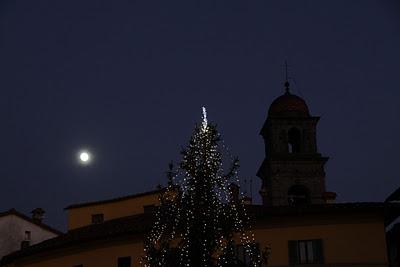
<point x="233" y="193"/>
<point x="38" y="214"/>
<point x="329" y="197"/>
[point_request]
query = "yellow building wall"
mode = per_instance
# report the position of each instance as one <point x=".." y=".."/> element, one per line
<point x="82" y="216"/>
<point x="356" y="244"/>
<point x="359" y="241"/>
<point x="344" y="244"/>
<point x="95" y="256"/>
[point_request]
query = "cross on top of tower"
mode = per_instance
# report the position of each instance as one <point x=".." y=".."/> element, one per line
<point x="286" y="78"/>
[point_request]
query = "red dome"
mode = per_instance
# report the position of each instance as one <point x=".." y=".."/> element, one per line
<point x="288" y="105"/>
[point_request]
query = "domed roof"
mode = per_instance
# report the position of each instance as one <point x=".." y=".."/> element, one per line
<point x="288" y="105"/>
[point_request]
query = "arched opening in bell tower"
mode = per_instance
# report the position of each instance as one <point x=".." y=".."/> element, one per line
<point x="298" y="195"/>
<point x="294" y="140"/>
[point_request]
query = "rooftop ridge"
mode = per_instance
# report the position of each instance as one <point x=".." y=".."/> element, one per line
<point x="133" y="225"/>
<point x="98" y="202"/>
<point x="14" y="212"/>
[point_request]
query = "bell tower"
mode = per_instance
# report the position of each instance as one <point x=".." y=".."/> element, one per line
<point x="292" y="172"/>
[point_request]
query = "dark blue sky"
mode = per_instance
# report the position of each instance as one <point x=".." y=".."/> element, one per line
<point x="127" y="79"/>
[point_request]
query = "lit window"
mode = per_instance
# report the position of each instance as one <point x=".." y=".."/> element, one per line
<point x="305" y="251"/>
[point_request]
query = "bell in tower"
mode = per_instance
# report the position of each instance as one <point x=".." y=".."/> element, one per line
<point x="292" y="172"/>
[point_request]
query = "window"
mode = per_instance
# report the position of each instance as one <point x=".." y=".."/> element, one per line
<point x="305" y="251"/>
<point x="124" y="262"/>
<point x="149" y="208"/>
<point x="27" y="235"/>
<point x="243" y="256"/>
<point x="298" y="195"/>
<point x="98" y="218"/>
<point x="294" y="140"/>
<point x="27" y="240"/>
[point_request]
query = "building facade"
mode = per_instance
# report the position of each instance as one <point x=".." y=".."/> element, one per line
<point x="18" y="231"/>
<point x="298" y="223"/>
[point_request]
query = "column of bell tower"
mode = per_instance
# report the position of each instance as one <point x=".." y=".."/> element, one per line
<point x="292" y="172"/>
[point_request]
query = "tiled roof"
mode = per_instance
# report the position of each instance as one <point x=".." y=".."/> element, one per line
<point x="288" y="105"/>
<point x="79" y="205"/>
<point x="138" y="224"/>
<point x="112" y="229"/>
<point x="29" y="219"/>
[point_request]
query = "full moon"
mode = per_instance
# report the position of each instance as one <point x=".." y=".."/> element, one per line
<point x="84" y="157"/>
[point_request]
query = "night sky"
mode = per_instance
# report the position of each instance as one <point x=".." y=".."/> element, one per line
<point x="127" y="80"/>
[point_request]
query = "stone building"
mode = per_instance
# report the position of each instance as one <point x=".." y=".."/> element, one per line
<point x="293" y="169"/>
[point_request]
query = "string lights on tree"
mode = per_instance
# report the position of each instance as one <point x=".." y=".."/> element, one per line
<point x="201" y="221"/>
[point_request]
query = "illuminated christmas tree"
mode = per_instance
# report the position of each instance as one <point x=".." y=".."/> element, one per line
<point x="201" y="220"/>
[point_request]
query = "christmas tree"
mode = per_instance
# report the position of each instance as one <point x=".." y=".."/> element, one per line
<point x="201" y="221"/>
